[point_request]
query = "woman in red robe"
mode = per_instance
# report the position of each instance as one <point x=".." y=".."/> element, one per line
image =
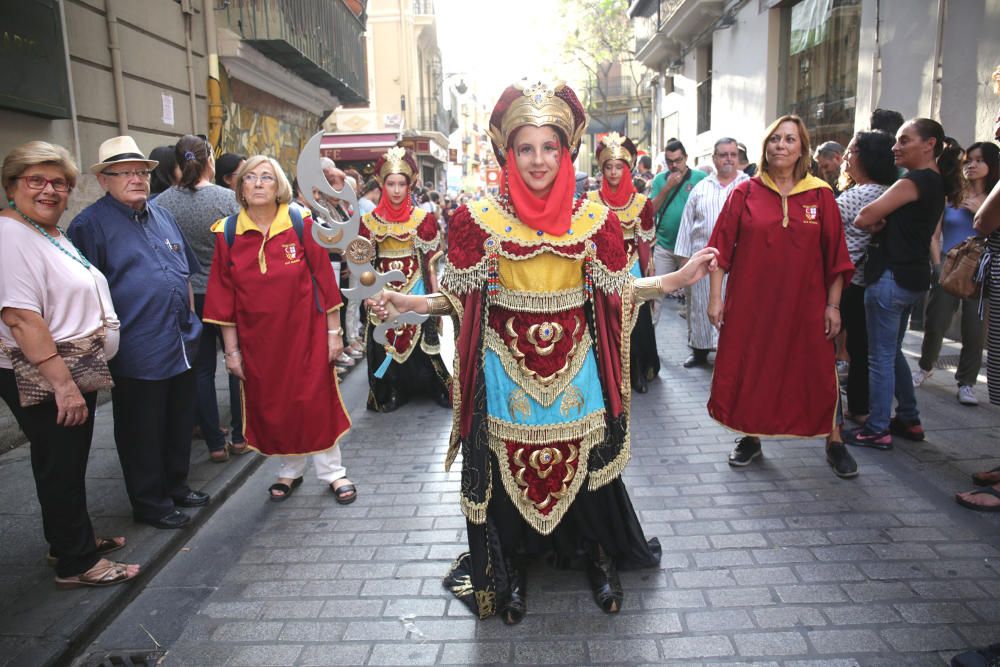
<point x="272" y="290"/>
<point x="781" y="241"/>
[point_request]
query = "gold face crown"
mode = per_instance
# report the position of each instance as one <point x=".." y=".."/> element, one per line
<point x="538" y="106"/>
<point x="395" y="163"/>
<point x="614" y="149"/>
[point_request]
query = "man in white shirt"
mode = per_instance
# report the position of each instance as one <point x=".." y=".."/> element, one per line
<point x="697" y="222"/>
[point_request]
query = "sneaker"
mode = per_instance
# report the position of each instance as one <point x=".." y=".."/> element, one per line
<point x="862" y="437"/>
<point x="909" y="430"/>
<point x="747" y="449"/>
<point x="843" y="464"/>
<point x="920" y="376"/>
<point x="967" y="395"/>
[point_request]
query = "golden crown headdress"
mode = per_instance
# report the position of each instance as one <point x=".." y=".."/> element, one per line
<point x="614" y="147"/>
<point x="395" y="162"/>
<point x="537" y="104"/>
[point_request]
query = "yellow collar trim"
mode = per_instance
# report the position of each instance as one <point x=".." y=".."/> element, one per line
<point x="499" y="223"/>
<point x="380" y="228"/>
<point x="808" y="183"/>
<point x="282" y="221"/>
<point x="626" y="213"/>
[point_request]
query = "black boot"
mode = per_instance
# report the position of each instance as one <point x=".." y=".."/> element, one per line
<point x="516" y="606"/>
<point x="604" y="581"/>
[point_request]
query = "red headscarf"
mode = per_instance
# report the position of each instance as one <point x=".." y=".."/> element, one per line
<point x="620" y="195"/>
<point x="551" y="214"/>
<point x="387" y="211"/>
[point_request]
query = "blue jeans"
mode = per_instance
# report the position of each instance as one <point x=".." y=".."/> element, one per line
<point x="887" y="309"/>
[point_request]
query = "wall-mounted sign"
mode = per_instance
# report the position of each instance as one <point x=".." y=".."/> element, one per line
<point x="33" y="75"/>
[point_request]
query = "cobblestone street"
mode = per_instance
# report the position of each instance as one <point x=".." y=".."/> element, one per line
<point x="780" y="563"/>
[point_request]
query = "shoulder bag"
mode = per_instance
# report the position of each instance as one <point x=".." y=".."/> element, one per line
<point x="960" y="271"/>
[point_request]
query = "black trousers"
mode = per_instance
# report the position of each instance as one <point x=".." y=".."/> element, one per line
<point x="852" y="314"/>
<point x="153" y="424"/>
<point x="59" y="464"/>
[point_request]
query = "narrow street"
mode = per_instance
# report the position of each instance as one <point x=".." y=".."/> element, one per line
<point x="780" y="563"/>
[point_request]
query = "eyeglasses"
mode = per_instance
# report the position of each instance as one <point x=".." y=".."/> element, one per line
<point x="678" y="161"/>
<point x="37" y="182"/>
<point x="130" y="174"/>
<point x="265" y="179"/>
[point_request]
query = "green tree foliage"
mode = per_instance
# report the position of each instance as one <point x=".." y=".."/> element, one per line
<point x="600" y="40"/>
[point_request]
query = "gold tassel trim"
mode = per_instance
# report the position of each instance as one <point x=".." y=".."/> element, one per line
<point x="544" y="393"/>
<point x="462" y="281"/>
<point x="545" y="524"/>
<point x="539" y="302"/>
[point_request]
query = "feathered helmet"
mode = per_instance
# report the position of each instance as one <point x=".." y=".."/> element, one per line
<point x="616" y="147"/>
<point x="397" y="160"/>
<point x="536" y="104"/>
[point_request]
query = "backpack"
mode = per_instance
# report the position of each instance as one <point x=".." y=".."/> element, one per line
<point x="229" y="234"/>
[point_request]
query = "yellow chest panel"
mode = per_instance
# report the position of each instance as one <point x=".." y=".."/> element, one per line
<point x="394" y="246"/>
<point x="545" y="272"/>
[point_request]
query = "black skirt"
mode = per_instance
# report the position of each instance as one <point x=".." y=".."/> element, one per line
<point x="499" y="548"/>
<point x="645" y="362"/>
<point x="421" y="374"/>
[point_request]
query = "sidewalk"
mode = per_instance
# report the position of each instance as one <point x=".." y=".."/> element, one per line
<point x="780" y="563"/>
<point x="41" y="625"/>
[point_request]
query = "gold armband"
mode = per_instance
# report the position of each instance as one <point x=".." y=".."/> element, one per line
<point x="438" y="304"/>
<point x="647" y="289"/>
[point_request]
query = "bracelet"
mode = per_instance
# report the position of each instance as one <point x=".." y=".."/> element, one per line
<point x="339" y="331"/>
<point x="51" y="356"/>
<point x="830" y="305"/>
<point x="438" y="304"/>
<point x="234" y="353"/>
<point x="647" y="289"/>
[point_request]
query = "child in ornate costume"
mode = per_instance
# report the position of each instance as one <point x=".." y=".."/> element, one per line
<point x="539" y="287"/>
<point x="408" y="239"/>
<point x="616" y="155"/>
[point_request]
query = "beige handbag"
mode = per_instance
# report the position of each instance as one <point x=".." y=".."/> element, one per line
<point x="83" y="356"/>
<point x="960" y="269"/>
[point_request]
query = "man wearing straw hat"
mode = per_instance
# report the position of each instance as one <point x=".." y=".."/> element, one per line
<point x="139" y="248"/>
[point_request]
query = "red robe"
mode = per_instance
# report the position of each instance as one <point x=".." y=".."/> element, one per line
<point x="292" y="404"/>
<point x="775" y="372"/>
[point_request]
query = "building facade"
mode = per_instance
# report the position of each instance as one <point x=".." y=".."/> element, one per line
<point x="405" y="81"/>
<point x="728" y="68"/>
<point x="255" y="76"/>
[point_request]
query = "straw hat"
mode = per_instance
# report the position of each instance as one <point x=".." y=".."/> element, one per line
<point x="120" y="149"/>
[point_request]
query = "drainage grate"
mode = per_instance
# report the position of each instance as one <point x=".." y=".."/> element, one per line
<point x="136" y="658"/>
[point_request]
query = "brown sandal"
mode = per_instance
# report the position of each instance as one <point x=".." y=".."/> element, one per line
<point x="238" y="449"/>
<point x="105" y="545"/>
<point x="104" y="573"/>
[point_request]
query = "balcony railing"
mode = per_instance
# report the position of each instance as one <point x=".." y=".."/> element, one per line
<point x="423" y="6"/>
<point x="434" y="117"/>
<point x="320" y="40"/>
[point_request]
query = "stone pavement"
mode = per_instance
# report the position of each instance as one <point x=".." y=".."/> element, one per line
<point x="780" y="563"/>
<point x="41" y="625"/>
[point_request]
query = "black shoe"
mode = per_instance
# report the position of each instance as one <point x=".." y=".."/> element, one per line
<point x="513" y="612"/>
<point x="697" y="358"/>
<point x="192" y="499"/>
<point x="909" y="430"/>
<point x="604" y="581"/>
<point x="175" y="519"/>
<point x="443" y="399"/>
<point x="841" y="461"/>
<point x="747" y="449"/>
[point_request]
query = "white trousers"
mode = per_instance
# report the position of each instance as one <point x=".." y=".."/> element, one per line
<point x="701" y="334"/>
<point x="328" y="467"/>
<point x="664" y="261"/>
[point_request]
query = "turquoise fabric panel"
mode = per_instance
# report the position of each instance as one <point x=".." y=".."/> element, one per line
<point x="499" y="386"/>
<point x="636" y="271"/>
<point x="418" y="287"/>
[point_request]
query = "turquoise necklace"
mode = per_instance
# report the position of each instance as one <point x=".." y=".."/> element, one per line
<point x="78" y="257"/>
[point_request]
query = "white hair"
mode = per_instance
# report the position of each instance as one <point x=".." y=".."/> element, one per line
<point x="326" y="163"/>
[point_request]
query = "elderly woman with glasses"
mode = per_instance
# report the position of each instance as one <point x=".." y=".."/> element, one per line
<point x="50" y="293"/>
<point x="273" y="293"/>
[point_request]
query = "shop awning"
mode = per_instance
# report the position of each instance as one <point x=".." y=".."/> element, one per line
<point x="357" y="146"/>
